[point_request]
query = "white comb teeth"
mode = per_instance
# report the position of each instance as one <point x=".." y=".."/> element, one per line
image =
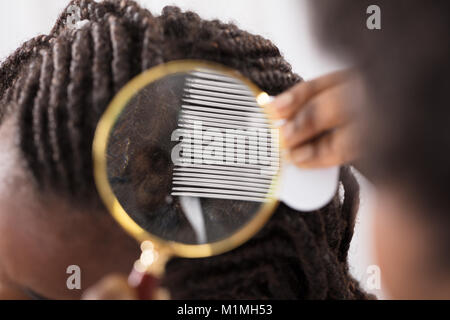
<point x="215" y="94"/>
<point x="212" y="87"/>
<point x="219" y="111"/>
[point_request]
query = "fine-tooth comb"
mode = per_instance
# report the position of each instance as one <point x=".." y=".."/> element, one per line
<point x="245" y="162"/>
<point x="215" y="104"/>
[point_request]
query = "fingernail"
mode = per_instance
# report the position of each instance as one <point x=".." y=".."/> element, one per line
<point x="287" y="130"/>
<point x="302" y="154"/>
<point x="283" y="101"/>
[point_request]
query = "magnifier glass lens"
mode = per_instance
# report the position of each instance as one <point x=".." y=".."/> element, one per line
<point x="191" y="157"/>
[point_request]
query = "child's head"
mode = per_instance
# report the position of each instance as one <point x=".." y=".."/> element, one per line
<point x="406" y="69"/>
<point x="53" y="90"/>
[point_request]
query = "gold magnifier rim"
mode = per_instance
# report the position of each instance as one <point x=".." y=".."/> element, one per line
<point x="100" y="143"/>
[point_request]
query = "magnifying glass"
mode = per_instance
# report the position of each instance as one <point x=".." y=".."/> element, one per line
<point x="187" y="160"/>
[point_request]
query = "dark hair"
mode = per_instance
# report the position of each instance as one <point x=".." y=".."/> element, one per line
<point x="406" y="66"/>
<point x="59" y="84"/>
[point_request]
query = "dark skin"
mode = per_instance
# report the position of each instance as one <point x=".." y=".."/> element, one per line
<point x="42" y="235"/>
<point x="322" y="118"/>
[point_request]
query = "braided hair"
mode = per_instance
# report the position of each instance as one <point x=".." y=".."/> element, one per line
<point x="58" y="85"/>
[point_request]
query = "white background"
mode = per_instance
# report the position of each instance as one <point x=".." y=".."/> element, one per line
<point x="285" y="22"/>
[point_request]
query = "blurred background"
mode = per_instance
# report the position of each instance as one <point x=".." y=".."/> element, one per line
<point x="285" y="22"/>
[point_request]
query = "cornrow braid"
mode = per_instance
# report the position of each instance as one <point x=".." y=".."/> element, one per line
<point x="58" y="86"/>
<point x="25" y="98"/>
<point x="40" y="116"/>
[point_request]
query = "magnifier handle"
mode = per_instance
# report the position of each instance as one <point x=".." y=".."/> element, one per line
<point x="146" y="284"/>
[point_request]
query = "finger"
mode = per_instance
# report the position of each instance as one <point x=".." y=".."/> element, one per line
<point x="112" y="287"/>
<point x="338" y="147"/>
<point x="324" y="112"/>
<point x="289" y="102"/>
